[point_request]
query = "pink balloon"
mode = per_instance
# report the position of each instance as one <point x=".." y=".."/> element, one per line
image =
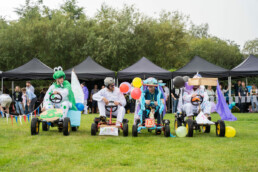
<point x="136" y="93"/>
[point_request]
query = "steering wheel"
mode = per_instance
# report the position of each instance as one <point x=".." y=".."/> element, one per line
<point x="111" y="105"/>
<point x="197" y="100"/>
<point x="55" y="98"/>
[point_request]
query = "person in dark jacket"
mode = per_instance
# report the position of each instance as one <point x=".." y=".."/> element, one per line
<point x="17" y="96"/>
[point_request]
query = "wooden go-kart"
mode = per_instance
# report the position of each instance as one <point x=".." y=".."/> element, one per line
<point x="151" y="124"/>
<point x="100" y="122"/>
<point x="53" y="118"/>
<point x="191" y="125"/>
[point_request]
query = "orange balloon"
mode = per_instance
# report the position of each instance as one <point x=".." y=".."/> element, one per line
<point x="136" y="93"/>
<point x="124" y="88"/>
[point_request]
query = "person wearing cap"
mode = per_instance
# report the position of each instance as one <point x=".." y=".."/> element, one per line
<point x="62" y="87"/>
<point x="190" y="109"/>
<point x="110" y="93"/>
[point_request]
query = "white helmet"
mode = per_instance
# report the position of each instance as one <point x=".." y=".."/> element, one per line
<point x="109" y="81"/>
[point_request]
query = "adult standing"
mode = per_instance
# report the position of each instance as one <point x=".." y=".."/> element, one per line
<point x="94" y="105"/>
<point x="242" y="93"/>
<point x="17" y="96"/>
<point x="86" y="96"/>
<point x="30" y="99"/>
<point x="254" y="93"/>
<point x="29" y="87"/>
<point x="175" y="97"/>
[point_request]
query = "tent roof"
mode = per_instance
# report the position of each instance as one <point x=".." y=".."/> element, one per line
<point x="144" y="68"/>
<point x="89" y="69"/>
<point x="249" y="67"/>
<point x="34" y="69"/>
<point x="205" y="68"/>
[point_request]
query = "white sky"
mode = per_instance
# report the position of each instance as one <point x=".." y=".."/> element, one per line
<point x="236" y="20"/>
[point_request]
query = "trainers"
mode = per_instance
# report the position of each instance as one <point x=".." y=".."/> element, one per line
<point x="102" y="118"/>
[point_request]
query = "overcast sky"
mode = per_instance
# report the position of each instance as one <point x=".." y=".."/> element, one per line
<point x="236" y="20"/>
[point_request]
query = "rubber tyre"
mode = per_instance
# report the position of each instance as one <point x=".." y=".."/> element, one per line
<point x="74" y="128"/>
<point x="177" y="124"/>
<point x="34" y="127"/>
<point x="66" y="126"/>
<point x="206" y="129"/>
<point x="93" y="129"/>
<point x="158" y="131"/>
<point x="125" y="129"/>
<point x="220" y="128"/>
<point x="167" y="131"/>
<point x="45" y="126"/>
<point x="135" y="131"/>
<point x="189" y="126"/>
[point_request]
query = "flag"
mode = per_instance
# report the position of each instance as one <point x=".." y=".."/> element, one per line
<point x="222" y="107"/>
<point x="28" y="117"/>
<point x="20" y="119"/>
<point x="16" y="118"/>
<point x="12" y="119"/>
<point x="24" y="117"/>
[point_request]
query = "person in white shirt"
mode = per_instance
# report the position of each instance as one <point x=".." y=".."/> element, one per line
<point x="5" y="101"/>
<point x="110" y="93"/>
<point x="29" y="87"/>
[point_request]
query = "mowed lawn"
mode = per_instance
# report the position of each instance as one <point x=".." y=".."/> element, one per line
<point x="51" y="151"/>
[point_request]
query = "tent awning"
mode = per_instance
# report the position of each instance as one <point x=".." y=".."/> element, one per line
<point x="203" y="67"/>
<point x="34" y="69"/>
<point x="89" y="69"/>
<point x="249" y="67"/>
<point x="144" y="68"/>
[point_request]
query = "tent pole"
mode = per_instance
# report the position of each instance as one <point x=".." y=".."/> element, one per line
<point x="2" y="85"/>
<point x="229" y="86"/>
<point x="12" y="87"/>
<point x="171" y="96"/>
<point x="246" y="83"/>
<point x="117" y="82"/>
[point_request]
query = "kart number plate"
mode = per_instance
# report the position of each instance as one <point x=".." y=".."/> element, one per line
<point x="149" y="123"/>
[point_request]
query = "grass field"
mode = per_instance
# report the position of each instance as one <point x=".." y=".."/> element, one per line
<point x="51" y="151"/>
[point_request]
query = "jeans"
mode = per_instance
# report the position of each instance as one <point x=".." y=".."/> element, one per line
<point x="253" y="102"/>
<point x="31" y="105"/>
<point x="18" y="106"/>
<point x="175" y="103"/>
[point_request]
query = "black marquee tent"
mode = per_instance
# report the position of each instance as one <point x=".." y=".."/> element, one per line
<point x="203" y="67"/>
<point x="144" y="68"/>
<point x="34" y="69"/>
<point x="89" y="69"/>
<point x="249" y="67"/>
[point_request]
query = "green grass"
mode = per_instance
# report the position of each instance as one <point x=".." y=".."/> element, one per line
<point x="51" y="151"/>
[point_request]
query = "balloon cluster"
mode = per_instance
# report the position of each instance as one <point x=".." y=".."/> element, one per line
<point x="230" y="106"/>
<point x="125" y="88"/>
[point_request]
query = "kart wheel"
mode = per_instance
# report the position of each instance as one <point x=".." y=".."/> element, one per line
<point x="177" y="124"/>
<point x="45" y="126"/>
<point x="93" y="129"/>
<point x="125" y="129"/>
<point x="66" y="126"/>
<point x="167" y="131"/>
<point x="96" y="120"/>
<point x="157" y="131"/>
<point x="135" y="131"/>
<point x="220" y="128"/>
<point x="74" y="128"/>
<point x="60" y="129"/>
<point x="189" y="126"/>
<point x="206" y="129"/>
<point x="34" y="127"/>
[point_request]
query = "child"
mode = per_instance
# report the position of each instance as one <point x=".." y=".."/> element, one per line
<point x="17" y="96"/>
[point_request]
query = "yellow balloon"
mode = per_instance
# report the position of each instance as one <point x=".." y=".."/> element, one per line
<point x="137" y="82"/>
<point x="230" y="132"/>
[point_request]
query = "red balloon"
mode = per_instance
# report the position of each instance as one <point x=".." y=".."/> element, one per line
<point x="124" y="88"/>
<point x="136" y="93"/>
